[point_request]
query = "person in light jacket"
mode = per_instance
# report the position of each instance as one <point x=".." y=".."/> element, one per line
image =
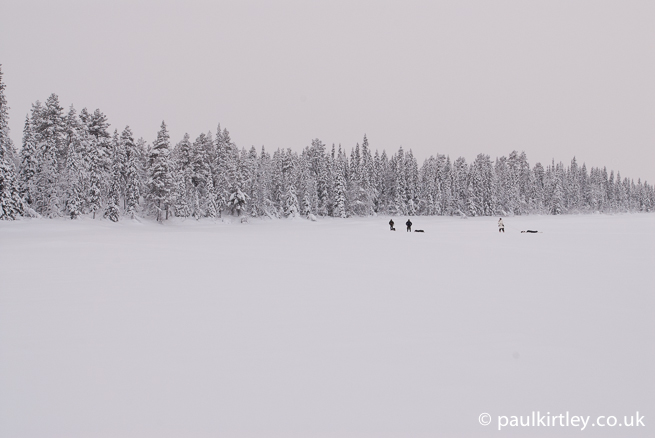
<point x="501" y="225"/>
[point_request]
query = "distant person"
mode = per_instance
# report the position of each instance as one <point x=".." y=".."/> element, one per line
<point x="391" y="225"/>
<point x="501" y="225"/>
<point x="409" y="225"/>
<point x="530" y="231"/>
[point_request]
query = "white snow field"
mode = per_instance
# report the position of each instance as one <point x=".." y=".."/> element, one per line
<point x="334" y="328"/>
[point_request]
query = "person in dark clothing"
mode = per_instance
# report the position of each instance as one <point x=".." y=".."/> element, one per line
<point x="391" y="225"/>
<point x="409" y="225"/>
<point x="530" y="231"/>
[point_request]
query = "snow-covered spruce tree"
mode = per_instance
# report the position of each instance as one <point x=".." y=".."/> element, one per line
<point x="74" y="166"/>
<point x="361" y="192"/>
<point x="204" y="192"/>
<point x="236" y="198"/>
<point x="376" y="182"/>
<point x="330" y="180"/>
<point x="309" y="202"/>
<point x="386" y="184"/>
<point x="354" y="185"/>
<point x="444" y="196"/>
<point x="411" y="185"/>
<point x="627" y="193"/>
<point x="74" y="201"/>
<point x="479" y="201"/>
<point x="290" y="201"/>
<point x="473" y="201"/>
<point x="398" y="169"/>
<point x="538" y="188"/>
<point x="224" y="169"/>
<point x="276" y="184"/>
<point x="307" y="185"/>
<point x="593" y="192"/>
<point x="340" y="185"/>
<point x="264" y="202"/>
<point x="133" y="173"/>
<point x="119" y="167"/>
<point x="486" y="191"/>
<point x="367" y="178"/>
<point x="28" y="164"/>
<point x="160" y="178"/>
<point x="516" y="198"/>
<point x="249" y="176"/>
<point x="49" y="131"/>
<point x="11" y="203"/>
<point x="112" y="212"/>
<point x="460" y="177"/>
<point x="6" y="145"/>
<point x="212" y="209"/>
<point x="318" y="170"/>
<point x="237" y="201"/>
<point x="556" y="204"/>
<point x="183" y="196"/>
<point x="97" y="127"/>
<point x="183" y="184"/>
<point x="428" y="187"/>
<point x="94" y="195"/>
<point x="288" y="197"/>
<point x="611" y="192"/>
<point x="572" y="190"/>
<point x="504" y="189"/>
<point x="619" y="193"/>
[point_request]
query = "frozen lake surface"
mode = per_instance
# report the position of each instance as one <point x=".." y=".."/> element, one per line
<point x="334" y="328"/>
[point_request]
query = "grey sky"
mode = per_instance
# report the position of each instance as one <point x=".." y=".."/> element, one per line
<point x="553" y="78"/>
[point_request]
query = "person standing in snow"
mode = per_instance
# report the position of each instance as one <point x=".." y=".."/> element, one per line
<point x="501" y="225"/>
<point x="391" y="225"/>
<point x="409" y="225"/>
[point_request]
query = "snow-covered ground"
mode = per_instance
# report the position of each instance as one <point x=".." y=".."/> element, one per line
<point x="334" y="328"/>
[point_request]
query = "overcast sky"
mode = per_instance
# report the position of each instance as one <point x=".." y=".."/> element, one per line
<point x="553" y="78"/>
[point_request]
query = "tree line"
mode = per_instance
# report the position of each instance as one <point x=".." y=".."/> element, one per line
<point x="70" y="165"/>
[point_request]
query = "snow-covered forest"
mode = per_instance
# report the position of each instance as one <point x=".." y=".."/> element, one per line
<point x="72" y="164"/>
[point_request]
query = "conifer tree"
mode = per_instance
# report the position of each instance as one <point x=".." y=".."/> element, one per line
<point x="264" y="200"/>
<point x="398" y="169"/>
<point x="112" y="212"/>
<point x="11" y="204"/>
<point x="204" y="192"/>
<point x="132" y="173"/>
<point x="49" y="132"/>
<point x="183" y="180"/>
<point x="557" y="198"/>
<point x="74" y="167"/>
<point x="160" y="181"/>
<point x="29" y="163"/>
<point x="460" y="177"/>
<point x="411" y="184"/>
<point x="94" y="199"/>
<point x="340" y="185"/>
